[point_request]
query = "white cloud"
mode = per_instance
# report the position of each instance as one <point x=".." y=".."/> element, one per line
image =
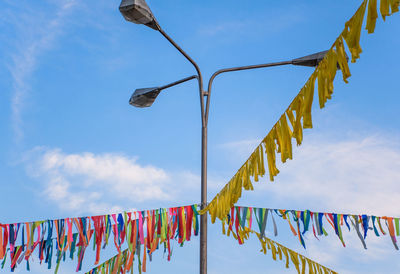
<point x="97" y="183"/>
<point x="355" y="175"/>
<point x="35" y="37"/>
<point x="352" y="176"/>
<point x="87" y="182"/>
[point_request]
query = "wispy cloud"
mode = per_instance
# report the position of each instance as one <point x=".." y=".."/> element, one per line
<point x="259" y="23"/>
<point x="33" y="42"/>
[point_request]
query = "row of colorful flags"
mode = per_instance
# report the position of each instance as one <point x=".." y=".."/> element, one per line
<point x="51" y="239"/>
<point x="241" y="218"/>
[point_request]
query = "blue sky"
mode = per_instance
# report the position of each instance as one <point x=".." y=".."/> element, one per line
<point x="71" y="145"/>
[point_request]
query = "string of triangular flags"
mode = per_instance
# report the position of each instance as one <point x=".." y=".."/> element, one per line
<point x="148" y="229"/>
<point x="240" y="219"/>
<point x="241" y="227"/>
<point x="120" y="263"/>
<point x="300" y="262"/>
<point x="298" y="115"/>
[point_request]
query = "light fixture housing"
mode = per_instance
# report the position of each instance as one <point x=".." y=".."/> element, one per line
<point x="138" y="12"/>
<point x="144" y="97"/>
<point x="310" y="60"/>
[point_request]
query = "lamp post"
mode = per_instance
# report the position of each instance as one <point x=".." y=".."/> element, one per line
<point x="137" y="11"/>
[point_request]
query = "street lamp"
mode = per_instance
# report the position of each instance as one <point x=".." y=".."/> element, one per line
<point x="138" y="12"/>
<point x="145" y="97"/>
<point x="310" y="60"/>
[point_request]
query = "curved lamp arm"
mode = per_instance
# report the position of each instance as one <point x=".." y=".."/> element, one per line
<point x="199" y="78"/>
<point x="210" y="82"/>
<point x="178" y="82"/>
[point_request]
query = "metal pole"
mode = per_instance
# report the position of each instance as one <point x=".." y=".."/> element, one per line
<point x="204" y="123"/>
<point x="203" y="218"/>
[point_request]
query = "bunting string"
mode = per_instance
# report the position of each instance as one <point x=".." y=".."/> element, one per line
<point x="298" y="115"/>
<point x="148" y="229"/>
<point x="120" y="263"/>
<point x="278" y="251"/>
<point x="299" y="261"/>
<point x="239" y="221"/>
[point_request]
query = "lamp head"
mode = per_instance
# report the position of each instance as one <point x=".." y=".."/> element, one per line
<point x="313" y="60"/>
<point x="310" y="60"/>
<point x="144" y="97"/>
<point x="138" y="12"/>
